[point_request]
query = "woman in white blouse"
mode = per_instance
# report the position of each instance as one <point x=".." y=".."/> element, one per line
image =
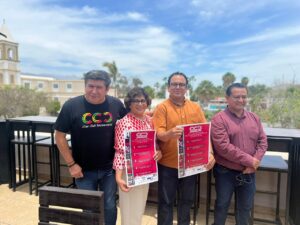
<point x="132" y="200"/>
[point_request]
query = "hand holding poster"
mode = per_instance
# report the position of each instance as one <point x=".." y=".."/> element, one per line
<point x="193" y="149"/>
<point x="141" y="168"/>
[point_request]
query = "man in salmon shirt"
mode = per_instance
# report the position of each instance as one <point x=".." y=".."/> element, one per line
<point x="174" y="111"/>
<point x="239" y="144"/>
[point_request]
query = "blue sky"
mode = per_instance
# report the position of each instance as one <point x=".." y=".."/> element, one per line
<point x="150" y="39"/>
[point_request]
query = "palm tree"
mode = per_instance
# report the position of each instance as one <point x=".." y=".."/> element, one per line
<point x="191" y="80"/>
<point x="205" y="91"/>
<point x="228" y="78"/>
<point x="156" y="86"/>
<point x="122" y="86"/>
<point x="150" y="91"/>
<point x="113" y="72"/>
<point x="245" y="81"/>
<point x="136" y="82"/>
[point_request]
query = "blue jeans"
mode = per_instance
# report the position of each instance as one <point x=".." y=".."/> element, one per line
<point x="103" y="180"/>
<point x="168" y="184"/>
<point x="228" y="182"/>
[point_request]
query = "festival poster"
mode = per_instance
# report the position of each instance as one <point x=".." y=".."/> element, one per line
<point x="193" y="149"/>
<point x="141" y="168"/>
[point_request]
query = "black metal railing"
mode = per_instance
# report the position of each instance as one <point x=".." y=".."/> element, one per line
<point x="294" y="215"/>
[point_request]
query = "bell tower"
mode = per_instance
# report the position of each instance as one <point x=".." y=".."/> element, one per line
<point x="9" y="58"/>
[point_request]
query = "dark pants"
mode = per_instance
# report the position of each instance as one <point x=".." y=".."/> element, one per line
<point x="103" y="180"/>
<point x="228" y="182"/>
<point x="168" y="184"/>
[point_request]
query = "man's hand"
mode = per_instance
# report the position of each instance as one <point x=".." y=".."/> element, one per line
<point x="248" y="170"/>
<point x="175" y="132"/>
<point x="76" y="171"/>
<point x="256" y="163"/>
<point x="157" y="156"/>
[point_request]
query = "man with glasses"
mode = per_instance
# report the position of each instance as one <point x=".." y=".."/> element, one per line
<point x="239" y="144"/>
<point x="174" y="111"/>
<point x="91" y="119"/>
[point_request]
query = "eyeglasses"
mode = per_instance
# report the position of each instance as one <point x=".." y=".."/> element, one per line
<point x="237" y="98"/>
<point x="139" y="101"/>
<point x="181" y="85"/>
<point x="243" y="179"/>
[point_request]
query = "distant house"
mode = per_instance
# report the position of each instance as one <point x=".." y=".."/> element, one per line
<point x="216" y="104"/>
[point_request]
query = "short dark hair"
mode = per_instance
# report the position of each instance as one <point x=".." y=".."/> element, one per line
<point x="235" y="85"/>
<point x="135" y="92"/>
<point x="97" y="75"/>
<point x="177" y="74"/>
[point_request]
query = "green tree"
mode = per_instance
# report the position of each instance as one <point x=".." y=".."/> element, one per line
<point x="156" y="86"/>
<point x="114" y="74"/>
<point x="245" y="81"/>
<point x="150" y="91"/>
<point x="191" y="80"/>
<point x="52" y="107"/>
<point x="258" y="96"/>
<point x="162" y="91"/>
<point x="228" y="78"/>
<point x="220" y="92"/>
<point x="205" y="91"/>
<point x="209" y="114"/>
<point x="20" y="101"/>
<point x="136" y="82"/>
<point x="122" y="86"/>
<point x="258" y="89"/>
<point x="284" y="109"/>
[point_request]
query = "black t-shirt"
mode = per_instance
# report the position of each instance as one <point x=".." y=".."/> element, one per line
<point x="92" y="130"/>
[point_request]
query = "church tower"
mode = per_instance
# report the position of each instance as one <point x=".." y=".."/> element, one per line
<point x="9" y="58"/>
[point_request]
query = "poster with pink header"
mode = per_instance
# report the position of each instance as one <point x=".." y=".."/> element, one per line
<point x="141" y="168"/>
<point x="193" y="149"/>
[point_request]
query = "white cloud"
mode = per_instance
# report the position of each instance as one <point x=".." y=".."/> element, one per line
<point x="137" y="16"/>
<point x="73" y="40"/>
<point x="241" y="13"/>
<point x="281" y="63"/>
<point x="272" y="35"/>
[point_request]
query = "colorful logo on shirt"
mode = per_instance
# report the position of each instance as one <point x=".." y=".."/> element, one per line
<point x="96" y="118"/>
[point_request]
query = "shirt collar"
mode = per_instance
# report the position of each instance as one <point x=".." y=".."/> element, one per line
<point x="176" y="104"/>
<point x="233" y="114"/>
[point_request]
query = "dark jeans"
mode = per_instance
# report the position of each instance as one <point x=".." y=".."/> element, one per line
<point x="103" y="180"/>
<point x="168" y="184"/>
<point x="228" y="182"/>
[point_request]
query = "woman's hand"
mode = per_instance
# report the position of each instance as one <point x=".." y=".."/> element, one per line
<point x="121" y="183"/>
<point x="157" y="156"/>
<point x="211" y="162"/>
<point x="123" y="186"/>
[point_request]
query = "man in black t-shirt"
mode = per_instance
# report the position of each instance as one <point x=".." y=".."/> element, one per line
<point x="90" y="119"/>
